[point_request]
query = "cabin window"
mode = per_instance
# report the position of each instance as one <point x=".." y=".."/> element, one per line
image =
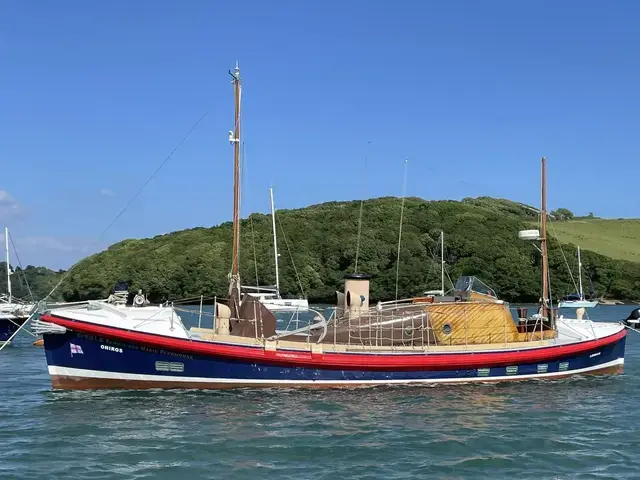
<point x="446" y="329"/>
<point x="348" y="299"/>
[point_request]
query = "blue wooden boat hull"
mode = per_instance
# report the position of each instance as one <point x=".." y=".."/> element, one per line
<point x="80" y="360"/>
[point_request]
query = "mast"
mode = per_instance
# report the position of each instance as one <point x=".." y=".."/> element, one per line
<point x="234" y="138"/>
<point x="580" y="274"/>
<point x="543" y="243"/>
<point x="275" y="242"/>
<point x="6" y="249"/>
<point x="442" y="262"/>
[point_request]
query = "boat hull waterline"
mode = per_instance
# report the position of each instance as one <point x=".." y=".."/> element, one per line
<point x="107" y="357"/>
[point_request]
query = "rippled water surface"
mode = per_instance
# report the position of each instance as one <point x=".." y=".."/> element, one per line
<point x="577" y="428"/>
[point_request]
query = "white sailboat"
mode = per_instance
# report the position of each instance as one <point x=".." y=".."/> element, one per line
<point x="270" y="296"/>
<point x="577" y="301"/>
<point x="13" y="312"/>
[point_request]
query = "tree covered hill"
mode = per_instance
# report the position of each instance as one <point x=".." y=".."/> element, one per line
<point x="318" y="246"/>
<point x="39" y="280"/>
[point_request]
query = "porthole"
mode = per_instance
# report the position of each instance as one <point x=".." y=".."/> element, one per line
<point x="446" y="329"/>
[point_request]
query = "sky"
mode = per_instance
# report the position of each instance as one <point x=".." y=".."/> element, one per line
<point x="95" y="95"/>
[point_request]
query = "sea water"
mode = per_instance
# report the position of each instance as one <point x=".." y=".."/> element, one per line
<point x="574" y="428"/>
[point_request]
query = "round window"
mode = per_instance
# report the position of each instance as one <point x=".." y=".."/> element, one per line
<point x="446" y="329"/>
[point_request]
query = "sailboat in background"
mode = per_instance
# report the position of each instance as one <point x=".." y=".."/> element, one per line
<point x="270" y="296"/>
<point x="578" y="300"/>
<point x="13" y="312"/>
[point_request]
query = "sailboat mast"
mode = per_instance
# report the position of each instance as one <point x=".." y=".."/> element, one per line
<point x="580" y="274"/>
<point x="235" y="141"/>
<point x="442" y="262"/>
<point x="275" y="242"/>
<point x="543" y="242"/>
<point x="6" y="249"/>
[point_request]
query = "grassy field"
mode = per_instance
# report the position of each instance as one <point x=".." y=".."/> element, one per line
<point x="614" y="238"/>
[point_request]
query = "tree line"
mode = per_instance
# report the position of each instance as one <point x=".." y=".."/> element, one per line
<point x="318" y="247"/>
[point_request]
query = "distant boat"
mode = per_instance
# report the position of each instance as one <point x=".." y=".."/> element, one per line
<point x="577" y="300"/>
<point x="13" y="312"/>
<point x="270" y="296"/>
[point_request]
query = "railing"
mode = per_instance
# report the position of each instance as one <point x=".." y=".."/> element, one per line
<point x="389" y="325"/>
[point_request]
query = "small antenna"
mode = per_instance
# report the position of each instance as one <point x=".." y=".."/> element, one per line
<point x="404" y="189"/>
<point x="364" y="185"/>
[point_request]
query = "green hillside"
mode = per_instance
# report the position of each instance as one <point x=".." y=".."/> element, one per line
<point x="480" y="236"/>
<point x="32" y="281"/>
<point x="619" y="239"/>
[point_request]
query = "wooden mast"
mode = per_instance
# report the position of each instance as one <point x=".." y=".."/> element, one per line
<point x="234" y="138"/>
<point x="543" y="243"/>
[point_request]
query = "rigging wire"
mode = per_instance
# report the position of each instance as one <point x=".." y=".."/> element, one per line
<point x="404" y="188"/>
<point x="437" y="261"/>
<point x="15" y="250"/>
<point x="255" y="255"/>
<point x="284" y="235"/>
<point x="446" y="272"/>
<point x="364" y="188"/>
<point x="124" y="209"/>
<point x="557" y="239"/>
<point x="253" y="236"/>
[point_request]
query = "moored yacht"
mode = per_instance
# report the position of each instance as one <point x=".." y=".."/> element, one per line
<point x="13" y="312"/>
<point x="578" y="300"/>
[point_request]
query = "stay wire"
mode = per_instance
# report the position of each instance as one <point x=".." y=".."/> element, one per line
<point x="124" y="209"/>
<point x="15" y="250"/>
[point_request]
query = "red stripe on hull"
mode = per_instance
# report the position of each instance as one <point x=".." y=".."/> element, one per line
<point x="64" y="382"/>
<point x="378" y="362"/>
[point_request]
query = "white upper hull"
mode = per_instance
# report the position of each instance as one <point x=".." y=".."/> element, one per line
<point x="15" y="310"/>
<point x="578" y="303"/>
